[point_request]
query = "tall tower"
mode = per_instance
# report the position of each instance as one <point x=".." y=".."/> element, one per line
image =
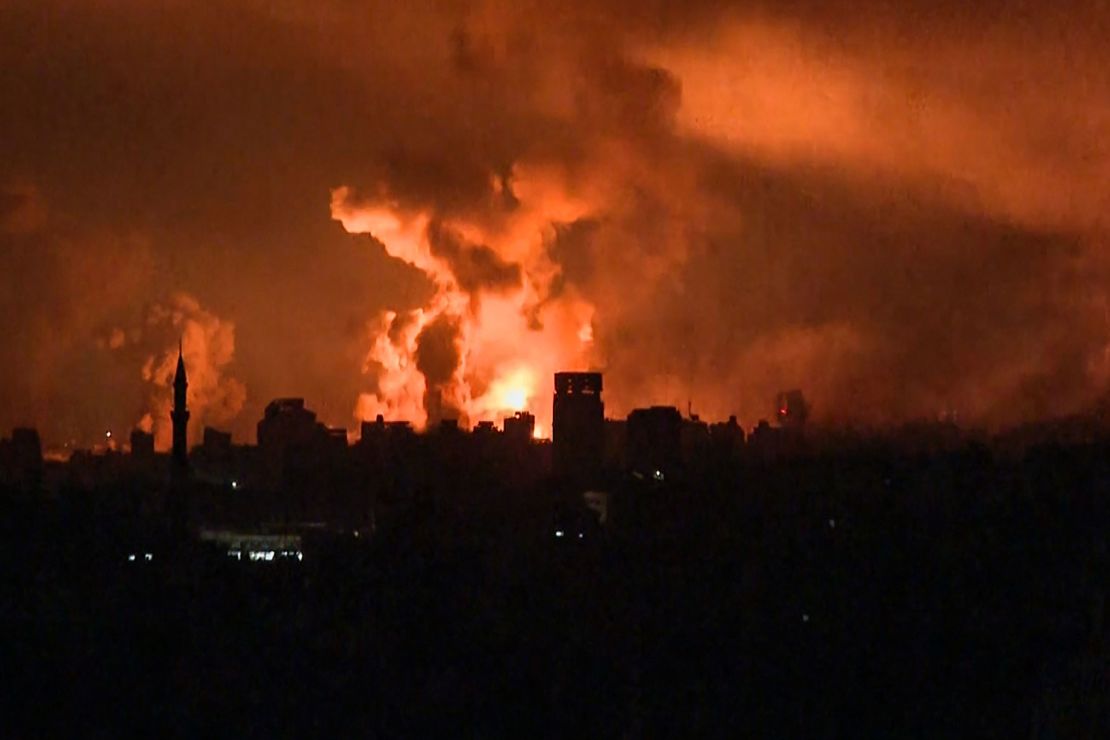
<point x="578" y="426"/>
<point x="180" y="414"/>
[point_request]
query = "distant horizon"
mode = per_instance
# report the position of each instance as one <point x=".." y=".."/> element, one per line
<point x="120" y="442"/>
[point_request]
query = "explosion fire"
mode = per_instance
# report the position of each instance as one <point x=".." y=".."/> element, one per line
<point x="489" y="340"/>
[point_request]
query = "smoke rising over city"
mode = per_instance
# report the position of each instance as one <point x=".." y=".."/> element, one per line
<point x="423" y="210"/>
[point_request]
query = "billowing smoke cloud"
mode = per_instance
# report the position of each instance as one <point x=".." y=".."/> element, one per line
<point x="437" y="359"/>
<point x="746" y="205"/>
<point x="488" y="337"/>
<point x="475" y="266"/>
<point x="207" y="344"/>
<point x="899" y="208"/>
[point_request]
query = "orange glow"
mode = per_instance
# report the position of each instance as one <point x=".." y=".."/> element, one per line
<point x="513" y="391"/>
<point x="510" y="339"/>
<point x="586" y="334"/>
<point x="773" y="91"/>
<point x="208" y="341"/>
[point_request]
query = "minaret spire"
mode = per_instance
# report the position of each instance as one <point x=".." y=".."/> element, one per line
<point x="180" y="414"/>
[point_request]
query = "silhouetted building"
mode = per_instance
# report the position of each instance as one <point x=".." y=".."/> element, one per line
<point x="218" y="463"/>
<point x="726" y="440"/>
<point x="336" y="439"/>
<point x="655" y="442"/>
<point x="764" y="442"/>
<point x="180" y="415"/>
<point x="399" y="429"/>
<point x="305" y="464"/>
<point x="791" y="409"/>
<point x="372" y="433"/>
<point x="616" y="444"/>
<point x="21" y="459"/>
<point x="389" y="453"/>
<point x="217" y="444"/>
<point x="286" y="423"/>
<point x="294" y="447"/>
<point x="578" y="426"/>
<point x="27" y="447"/>
<point x="142" y="445"/>
<point x="380" y="438"/>
<point x="695" y="444"/>
<point x="520" y="427"/>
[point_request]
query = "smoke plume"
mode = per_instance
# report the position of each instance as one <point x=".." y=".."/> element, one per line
<point x="899" y="208"/>
<point x="207" y="344"/>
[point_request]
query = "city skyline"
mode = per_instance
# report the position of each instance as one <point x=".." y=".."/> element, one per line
<point x="509" y="421"/>
<point x="425" y="212"/>
<point x="588" y="368"/>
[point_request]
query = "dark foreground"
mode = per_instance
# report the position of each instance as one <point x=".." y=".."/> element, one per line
<point x="954" y="596"/>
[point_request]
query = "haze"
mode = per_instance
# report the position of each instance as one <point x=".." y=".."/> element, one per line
<point x="424" y="209"/>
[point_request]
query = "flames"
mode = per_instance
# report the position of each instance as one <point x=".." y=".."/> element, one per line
<point x="496" y="327"/>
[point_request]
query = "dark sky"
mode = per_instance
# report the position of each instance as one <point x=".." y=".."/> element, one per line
<point x="900" y="208"/>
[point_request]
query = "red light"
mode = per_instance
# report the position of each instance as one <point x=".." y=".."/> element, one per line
<point x="782" y="411"/>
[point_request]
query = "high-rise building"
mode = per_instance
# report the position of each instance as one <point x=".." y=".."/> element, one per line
<point x="180" y="415"/>
<point x="578" y="426"/>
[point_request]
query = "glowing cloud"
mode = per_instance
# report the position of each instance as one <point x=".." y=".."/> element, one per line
<point x="493" y="333"/>
<point x="208" y="343"/>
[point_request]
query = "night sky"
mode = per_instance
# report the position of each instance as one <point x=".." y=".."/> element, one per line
<point x="424" y="209"/>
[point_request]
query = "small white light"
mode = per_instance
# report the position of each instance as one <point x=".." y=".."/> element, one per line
<point x="580" y="535"/>
<point x="234" y="484"/>
<point x="832" y="524"/>
<point x="108" y="434"/>
<point x="658" y="475"/>
<point x="131" y="558"/>
<point x="805" y="617"/>
<point x="300" y="556"/>
<point x="558" y="533"/>
<point x="149" y="556"/>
